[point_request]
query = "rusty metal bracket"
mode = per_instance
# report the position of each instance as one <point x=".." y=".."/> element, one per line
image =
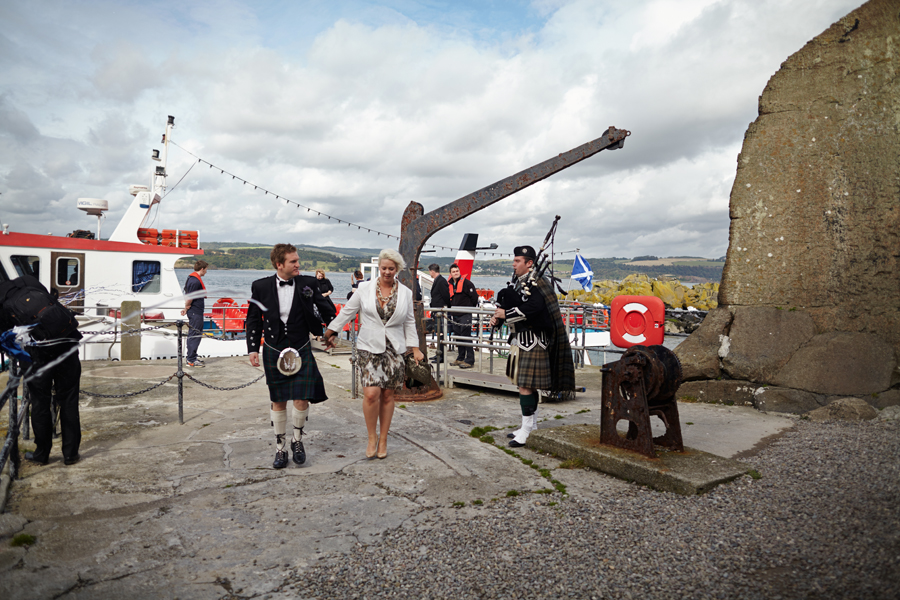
<point x="639" y="385"/>
<point x="416" y="226"/>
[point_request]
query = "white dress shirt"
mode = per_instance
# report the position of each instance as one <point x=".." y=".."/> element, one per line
<point x="285" y="299"/>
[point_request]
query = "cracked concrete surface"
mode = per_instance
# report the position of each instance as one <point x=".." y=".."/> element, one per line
<point x="156" y="509"/>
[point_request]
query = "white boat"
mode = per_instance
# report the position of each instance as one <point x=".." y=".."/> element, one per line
<point x="94" y="276"/>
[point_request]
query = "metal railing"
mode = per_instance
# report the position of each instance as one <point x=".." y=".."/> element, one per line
<point x="579" y="320"/>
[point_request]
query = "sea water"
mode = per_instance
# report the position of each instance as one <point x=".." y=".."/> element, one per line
<point x="235" y="284"/>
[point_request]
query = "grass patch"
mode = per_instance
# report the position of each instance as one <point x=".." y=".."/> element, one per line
<point x="543" y="491"/>
<point x="477" y="432"/>
<point x="402" y="406"/>
<point x="477" y="502"/>
<point x="559" y="417"/>
<point x="552" y="503"/>
<point x="582" y="411"/>
<point x="229" y="485"/>
<point x="689" y="423"/>
<point x="687" y="399"/>
<point x="559" y="486"/>
<point x="459" y="504"/>
<point x="544" y="473"/>
<point x="512" y="493"/>
<point x="22" y="539"/>
<point x="487" y="439"/>
<point x="572" y="463"/>
<point x="527" y="461"/>
<point x="754" y="474"/>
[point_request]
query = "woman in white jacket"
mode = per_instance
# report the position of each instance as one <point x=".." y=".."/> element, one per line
<point x="387" y="331"/>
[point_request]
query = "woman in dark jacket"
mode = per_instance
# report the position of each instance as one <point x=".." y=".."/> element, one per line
<point x="325" y="287"/>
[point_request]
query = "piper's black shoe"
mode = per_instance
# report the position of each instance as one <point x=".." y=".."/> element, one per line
<point x="72" y="460"/>
<point x="30" y="456"/>
<point x="510" y="435"/>
<point x="280" y="460"/>
<point x="299" y="454"/>
<point x="515" y="444"/>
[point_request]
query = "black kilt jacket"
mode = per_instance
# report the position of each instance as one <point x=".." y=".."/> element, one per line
<point x="302" y="320"/>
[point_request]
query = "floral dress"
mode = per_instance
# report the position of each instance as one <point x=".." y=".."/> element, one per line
<point x="388" y="369"/>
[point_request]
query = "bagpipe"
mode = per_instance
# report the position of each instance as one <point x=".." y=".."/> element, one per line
<point x="522" y="286"/>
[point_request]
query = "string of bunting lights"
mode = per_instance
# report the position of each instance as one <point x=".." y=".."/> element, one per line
<point x="319" y="213"/>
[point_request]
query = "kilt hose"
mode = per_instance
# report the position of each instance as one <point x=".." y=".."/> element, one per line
<point x="529" y="368"/>
<point x="305" y="384"/>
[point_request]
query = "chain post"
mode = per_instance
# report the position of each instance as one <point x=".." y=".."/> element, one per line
<point x="14" y="458"/>
<point x="180" y="375"/>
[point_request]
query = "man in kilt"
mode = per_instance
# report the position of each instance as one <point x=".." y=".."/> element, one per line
<point x="540" y="356"/>
<point x="282" y="313"/>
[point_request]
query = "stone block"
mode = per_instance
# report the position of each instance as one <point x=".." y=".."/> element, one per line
<point x="840" y="363"/>
<point x="699" y="353"/>
<point x="763" y="338"/>
<point x="717" y="391"/>
<point x="786" y="400"/>
<point x="844" y="409"/>
<point x="884" y="399"/>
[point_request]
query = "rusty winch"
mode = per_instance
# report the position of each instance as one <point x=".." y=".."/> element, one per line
<point x="639" y="385"/>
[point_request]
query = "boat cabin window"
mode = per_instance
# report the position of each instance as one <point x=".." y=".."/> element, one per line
<point x="27" y="265"/>
<point x="67" y="271"/>
<point x="145" y="277"/>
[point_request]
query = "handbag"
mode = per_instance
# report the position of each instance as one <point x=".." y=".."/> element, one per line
<point x="416" y="370"/>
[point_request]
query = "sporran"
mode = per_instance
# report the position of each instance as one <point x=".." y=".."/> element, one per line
<point x="288" y="362"/>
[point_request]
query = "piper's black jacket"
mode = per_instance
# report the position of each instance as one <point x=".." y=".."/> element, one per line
<point x="302" y="320"/>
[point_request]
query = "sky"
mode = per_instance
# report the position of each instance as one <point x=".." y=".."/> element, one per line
<point x="356" y="108"/>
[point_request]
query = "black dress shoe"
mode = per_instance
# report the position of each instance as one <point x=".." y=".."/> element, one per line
<point x="30" y="456"/>
<point x="515" y="444"/>
<point x="280" y="460"/>
<point x="510" y="435"/>
<point x="299" y="454"/>
<point x="72" y="460"/>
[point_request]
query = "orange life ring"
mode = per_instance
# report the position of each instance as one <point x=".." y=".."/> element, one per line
<point x="637" y="320"/>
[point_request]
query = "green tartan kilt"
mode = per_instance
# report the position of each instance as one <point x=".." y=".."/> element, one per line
<point x="529" y="368"/>
<point x="305" y="384"/>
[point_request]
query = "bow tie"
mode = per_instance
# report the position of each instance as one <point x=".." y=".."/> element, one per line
<point x="288" y="282"/>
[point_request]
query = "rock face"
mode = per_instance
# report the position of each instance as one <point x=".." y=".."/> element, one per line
<point x="815" y="220"/>
<point x="810" y="294"/>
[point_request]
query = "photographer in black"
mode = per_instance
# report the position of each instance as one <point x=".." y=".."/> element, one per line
<point x="54" y="352"/>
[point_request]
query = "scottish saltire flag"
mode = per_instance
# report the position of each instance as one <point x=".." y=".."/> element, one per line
<point x="581" y="272"/>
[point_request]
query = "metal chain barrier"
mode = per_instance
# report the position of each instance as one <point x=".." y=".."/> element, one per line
<point x="128" y="395"/>
<point x="222" y="389"/>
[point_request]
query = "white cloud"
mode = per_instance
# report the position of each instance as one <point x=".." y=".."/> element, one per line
<point x="380" y="105"/>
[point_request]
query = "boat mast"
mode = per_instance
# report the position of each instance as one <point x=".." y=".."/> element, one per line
<point x="158" y="181"/>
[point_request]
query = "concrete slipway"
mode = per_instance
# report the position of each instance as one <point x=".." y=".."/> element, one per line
<point x="158" y="509"/>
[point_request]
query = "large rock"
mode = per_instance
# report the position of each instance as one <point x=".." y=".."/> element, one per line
<point x="786" y="400"/>
<point x="699" y="353"/>
<point x="763" y="338"/>
<point x="815" y="218"/>
<point x="840" y="363"/>
<point x="844" y="409"/>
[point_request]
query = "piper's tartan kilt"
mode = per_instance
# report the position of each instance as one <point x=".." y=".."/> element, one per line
<point x="529" y="368"/>
<point x="305" y="384"/>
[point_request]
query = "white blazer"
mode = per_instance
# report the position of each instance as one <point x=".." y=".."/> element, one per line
<point x="400" y="328"/>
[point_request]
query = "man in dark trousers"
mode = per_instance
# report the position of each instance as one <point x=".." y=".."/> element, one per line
<point x="282" y="309"/>
<point x="195" y="292"/>
<point x="462" y="293"/>
<point x="55" y="362"/>
<point x="440" y="297"/>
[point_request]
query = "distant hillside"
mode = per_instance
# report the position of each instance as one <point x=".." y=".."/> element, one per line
<point x="242" y="255"/>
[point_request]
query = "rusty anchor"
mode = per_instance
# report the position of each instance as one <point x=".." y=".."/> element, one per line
<point x="639" y="385"/>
